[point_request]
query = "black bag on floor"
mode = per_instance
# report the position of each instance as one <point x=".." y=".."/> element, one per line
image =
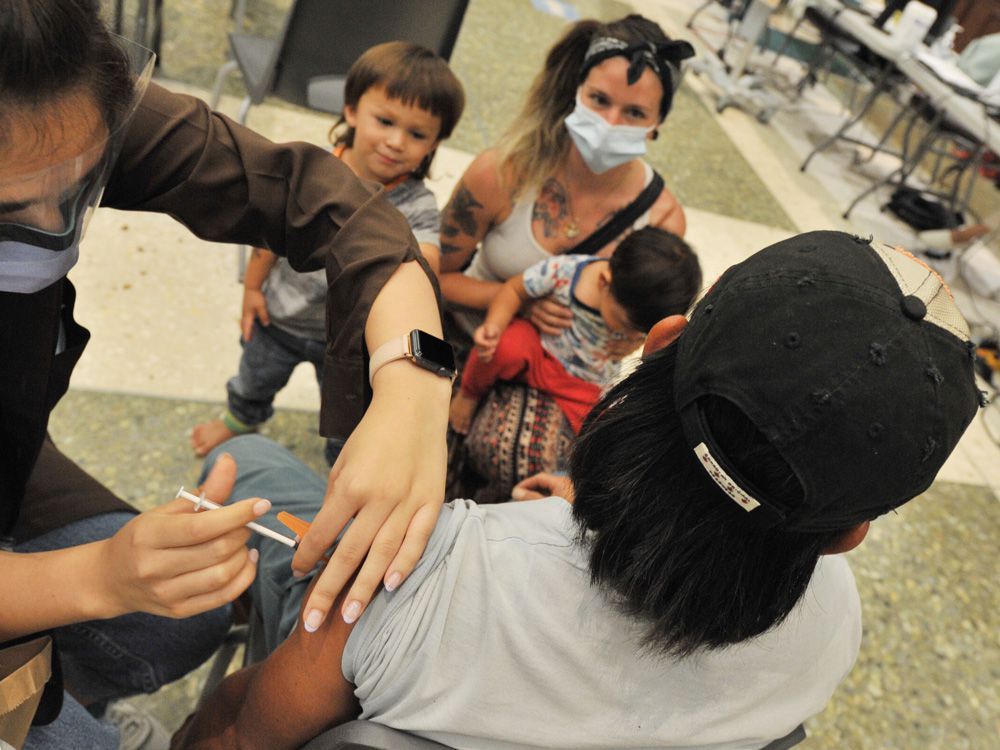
<point x="922" y="213"/>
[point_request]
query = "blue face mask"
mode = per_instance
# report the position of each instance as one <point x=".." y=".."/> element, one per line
<point x="26" y="269"/>
<point x="604" y="146"/>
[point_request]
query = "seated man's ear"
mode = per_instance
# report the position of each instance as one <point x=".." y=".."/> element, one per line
<point x="849" y="540"/>
<point x="663" y="334"/>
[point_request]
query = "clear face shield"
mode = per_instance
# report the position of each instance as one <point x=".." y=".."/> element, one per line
<point x="43" y="213"/>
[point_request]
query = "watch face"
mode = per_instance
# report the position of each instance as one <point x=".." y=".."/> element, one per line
<point x="432" y="352"/>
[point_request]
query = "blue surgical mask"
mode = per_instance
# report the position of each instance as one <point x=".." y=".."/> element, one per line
<point x="604" y="146"/>
<point x="26" y="269"/>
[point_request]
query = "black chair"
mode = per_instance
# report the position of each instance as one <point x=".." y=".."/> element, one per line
<point x="307" y="63"/>
<point x="368" y="735"/>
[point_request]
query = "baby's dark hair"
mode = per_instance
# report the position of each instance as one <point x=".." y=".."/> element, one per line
<point x="654" y="273"/>
<point x="412" y="74"/>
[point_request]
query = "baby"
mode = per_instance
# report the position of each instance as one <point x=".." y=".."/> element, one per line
<point x="652" y="274"/>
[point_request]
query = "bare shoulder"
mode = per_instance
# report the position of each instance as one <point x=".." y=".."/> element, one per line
<point x="484" y="182"/>
<point x="667" y="213"/>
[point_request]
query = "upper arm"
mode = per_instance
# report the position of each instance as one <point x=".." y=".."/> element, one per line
<point x="300" y="690"/>
<point x="667" y="213"/>
<point x="475" y="204"/>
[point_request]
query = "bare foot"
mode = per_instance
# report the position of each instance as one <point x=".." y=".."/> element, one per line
<point x="968" y="233"/>
<point x="461" y="411"/>
<point x="207" y="435"/>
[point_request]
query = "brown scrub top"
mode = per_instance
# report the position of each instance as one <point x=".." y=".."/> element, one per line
<point x="228" y="184"/>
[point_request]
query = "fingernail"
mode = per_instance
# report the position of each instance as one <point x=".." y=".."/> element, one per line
<point x="314" y="618"/>
<point x="254" y="556"/>
<point x="224" y="454"/>
<point x="517" y="493"/>
<point x="297" y="574"/>
<point x="393" y="581"/>
<point x="352" y="611"/>
<point x="261" y="507"/>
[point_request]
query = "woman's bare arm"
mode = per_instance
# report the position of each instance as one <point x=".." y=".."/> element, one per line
<point x="478" y="201"/>
<point x="467" y="291"/>
<point x="667" y="213"/>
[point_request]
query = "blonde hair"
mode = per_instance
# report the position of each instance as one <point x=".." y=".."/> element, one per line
<point x="412" y="74"/>
<point x="534" y="148"/>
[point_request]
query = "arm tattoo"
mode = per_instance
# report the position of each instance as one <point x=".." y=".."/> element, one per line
<point x="458" y="217"/>
<point x="551" y="207"/>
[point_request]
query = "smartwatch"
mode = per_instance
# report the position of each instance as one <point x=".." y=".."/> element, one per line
<point x="421" y="348"/>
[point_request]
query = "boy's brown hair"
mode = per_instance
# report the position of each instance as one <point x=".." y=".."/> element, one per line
<point x="412" y="74"/>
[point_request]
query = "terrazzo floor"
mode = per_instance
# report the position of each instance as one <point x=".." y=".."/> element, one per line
<point x="163" y="309"/>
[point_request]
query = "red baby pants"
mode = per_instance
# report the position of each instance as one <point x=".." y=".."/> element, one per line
<point x="520" y="356"/>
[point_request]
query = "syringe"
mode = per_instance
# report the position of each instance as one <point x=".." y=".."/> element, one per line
<point x="201" y="502"/>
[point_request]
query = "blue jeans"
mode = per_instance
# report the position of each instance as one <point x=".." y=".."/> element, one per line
<point x="269" y="358"/>
<point x="103" y="660"/>
<point x="265" y="469"/>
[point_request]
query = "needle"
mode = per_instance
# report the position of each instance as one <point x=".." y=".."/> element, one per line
<point x="201" y="502"/>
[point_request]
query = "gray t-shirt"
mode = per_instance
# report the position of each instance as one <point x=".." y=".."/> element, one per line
<point x="498" y="640"/>
<point x="296" y="302"/>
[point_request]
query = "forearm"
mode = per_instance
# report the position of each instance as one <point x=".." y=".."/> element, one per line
<point x="405" y="302"/>
<point x="45" y="590"/>
<point x="216" y="727"/>
<point x="258" y="268"/>
<point x="432" y="254"/>
<point x="505" y="305"/>
<point x="467" y="291"/>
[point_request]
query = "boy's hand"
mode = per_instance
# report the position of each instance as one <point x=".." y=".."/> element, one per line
<point x="254" y="306"/>
<point x="486" y="339"/>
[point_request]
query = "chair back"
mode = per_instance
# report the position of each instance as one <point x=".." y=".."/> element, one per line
<point x="325" y="37"/>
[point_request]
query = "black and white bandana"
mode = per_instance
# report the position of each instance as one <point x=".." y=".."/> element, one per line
<point x="663" y="59"/>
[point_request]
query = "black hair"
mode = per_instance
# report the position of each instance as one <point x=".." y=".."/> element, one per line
<point x="654" y="273"/>
<point x="636" y="29"/>
<point x="667" y="545"/>
<point x="49" y="48"/>
<point x="535" y="145"/>
<point x="413" y="74"/>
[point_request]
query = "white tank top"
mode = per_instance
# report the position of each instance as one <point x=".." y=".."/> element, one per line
<point x="510" y="247"/>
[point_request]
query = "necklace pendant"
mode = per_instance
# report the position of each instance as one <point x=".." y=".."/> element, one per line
<point x="572" y="230"/>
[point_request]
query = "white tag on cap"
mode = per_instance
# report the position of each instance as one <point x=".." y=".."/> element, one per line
<point x="721" y="478"/>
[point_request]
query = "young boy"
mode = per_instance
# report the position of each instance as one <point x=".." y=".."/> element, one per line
<point x="401" y="101"/>
<point x="692" y="595"/>
<point x="652" y="274"/>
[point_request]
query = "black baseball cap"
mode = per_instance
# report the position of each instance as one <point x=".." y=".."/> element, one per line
<point x="853" y="361"/>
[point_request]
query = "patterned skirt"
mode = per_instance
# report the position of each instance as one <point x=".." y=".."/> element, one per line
<point x="516" y="432"/>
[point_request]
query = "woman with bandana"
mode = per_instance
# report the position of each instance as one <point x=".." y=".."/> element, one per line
<point x="568" y="177"/>
<point x="131" y="600"/>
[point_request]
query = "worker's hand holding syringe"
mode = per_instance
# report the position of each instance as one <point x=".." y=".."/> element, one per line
<point x="171" y="561"/>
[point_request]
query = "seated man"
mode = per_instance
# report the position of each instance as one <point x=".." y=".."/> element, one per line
<point x="692" y="594"/>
